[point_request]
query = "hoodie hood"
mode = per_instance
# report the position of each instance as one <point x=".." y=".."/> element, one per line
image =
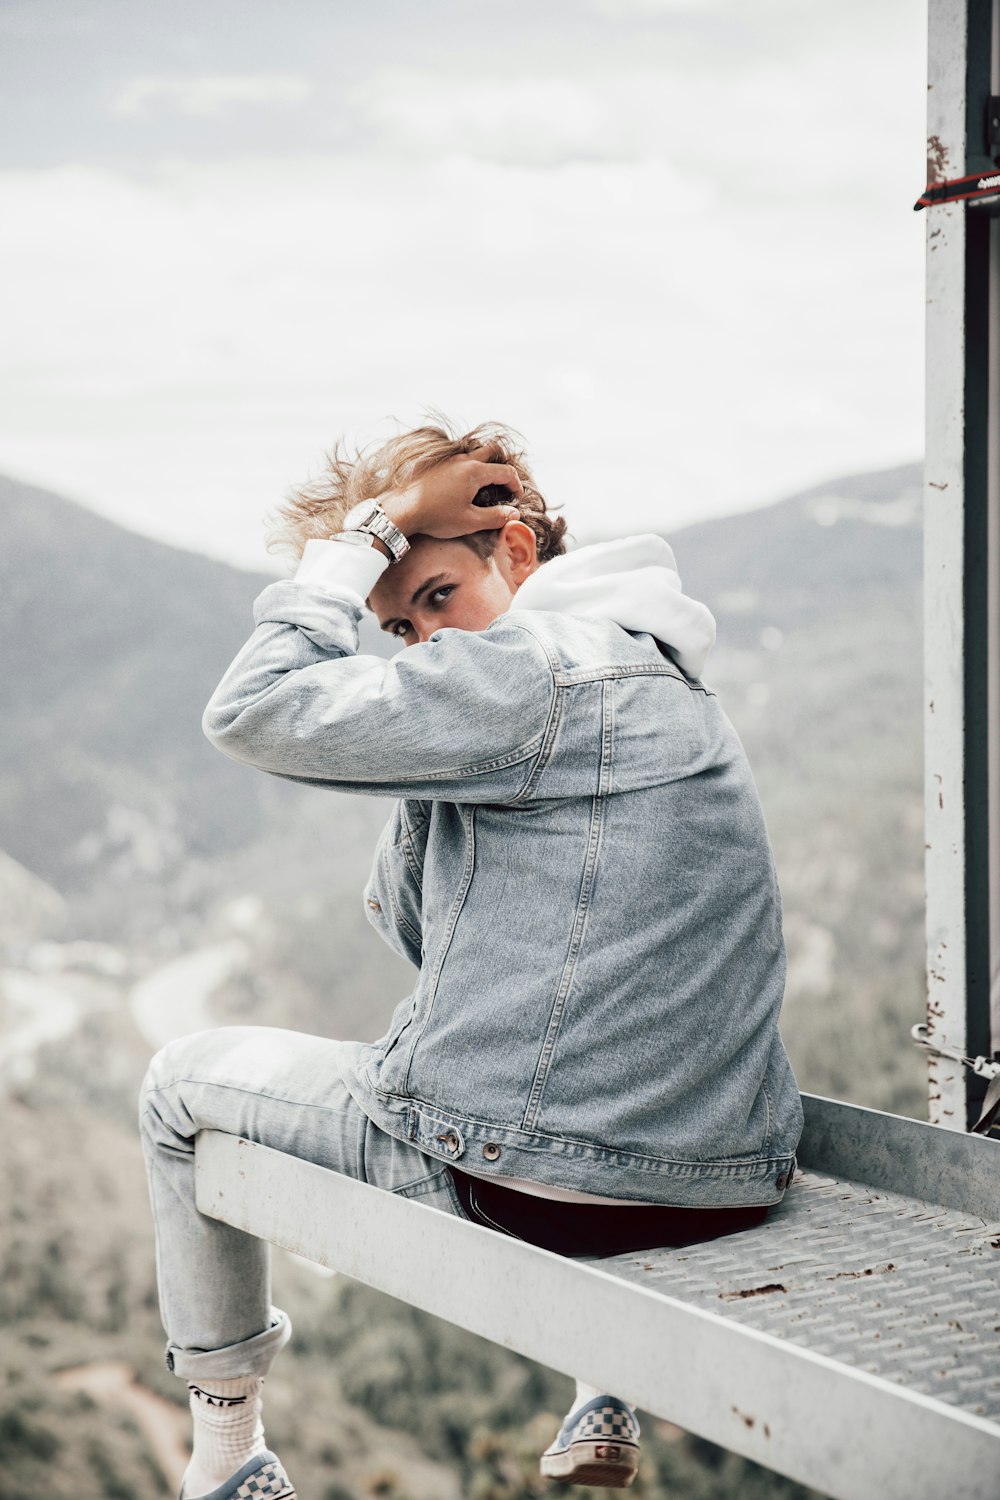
<point x="633" y="581"/>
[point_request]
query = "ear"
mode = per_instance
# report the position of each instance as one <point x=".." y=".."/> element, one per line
<point x="517" y="552"/>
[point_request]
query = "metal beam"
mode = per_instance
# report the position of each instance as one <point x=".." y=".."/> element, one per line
<point x="959" y="700"/>
<point x="902" y="1156"/>
<point x="851" y="1434"/>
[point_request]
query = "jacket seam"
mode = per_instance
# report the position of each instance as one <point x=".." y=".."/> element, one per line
<point x="468" y="815"/>
<point x="409" y="854"/>
<point x="568" y="676"/>
<point x="770" y="1116"/>
<point x="544" y="1063"/>
<point x="390" y="890"/>
<point x="607" y="737"/>
<point x="544" y="750"/>
<point x="578" y="934"/>
<point x="483" y="768"/>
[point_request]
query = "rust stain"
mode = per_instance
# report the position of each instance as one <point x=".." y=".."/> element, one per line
<point x="931" y="483"/>
<point x="754" y="1291"/>
<point x="868" y="1271"/>
<point x="937" y="159"/>
<point x="747" y="1421"/>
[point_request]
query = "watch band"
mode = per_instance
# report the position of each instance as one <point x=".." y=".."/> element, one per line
<point x="370" y="519"/>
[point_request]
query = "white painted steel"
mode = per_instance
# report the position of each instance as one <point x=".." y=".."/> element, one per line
<point x="902" y="1156"/>
<point x="851" y="1434"/>
<point x="994" y="578"/>
<point x="944" y="533"/>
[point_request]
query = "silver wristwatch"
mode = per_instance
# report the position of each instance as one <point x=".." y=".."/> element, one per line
<point x="366" y="521"/>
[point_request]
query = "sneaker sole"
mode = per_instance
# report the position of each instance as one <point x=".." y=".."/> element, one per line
<point x="596" y="1462"/>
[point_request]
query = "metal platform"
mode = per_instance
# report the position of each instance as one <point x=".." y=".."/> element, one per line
<point x="851" y="1342"/>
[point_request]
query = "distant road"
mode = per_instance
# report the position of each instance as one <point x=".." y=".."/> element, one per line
<point x="164" y="1425"/>
<point x="174" y="999"/>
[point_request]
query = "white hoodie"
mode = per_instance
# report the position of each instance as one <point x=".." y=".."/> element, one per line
<point x="634" y="582"/>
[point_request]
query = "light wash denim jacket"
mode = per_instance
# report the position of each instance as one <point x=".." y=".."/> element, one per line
<point x="578" y="866"/>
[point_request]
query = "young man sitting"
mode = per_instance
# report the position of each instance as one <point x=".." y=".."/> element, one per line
<point x="578" y="868"/>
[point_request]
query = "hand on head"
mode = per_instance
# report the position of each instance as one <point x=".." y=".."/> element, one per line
<point x="439" y="502"/>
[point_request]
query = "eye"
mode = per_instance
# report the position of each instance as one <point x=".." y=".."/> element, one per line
<point x="438" y="596"/>
<point x="400" y="628"/>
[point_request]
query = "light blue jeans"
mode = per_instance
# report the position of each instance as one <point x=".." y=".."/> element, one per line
<point x="282" y="1089"/>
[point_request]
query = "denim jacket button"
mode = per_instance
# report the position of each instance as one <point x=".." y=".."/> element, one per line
<point x="781" y="1182"/>
<point x="491" y="1151"/>
<point x="452" y="1141"/>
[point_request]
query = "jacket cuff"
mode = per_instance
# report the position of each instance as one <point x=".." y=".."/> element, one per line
<point x="341" y="569"/>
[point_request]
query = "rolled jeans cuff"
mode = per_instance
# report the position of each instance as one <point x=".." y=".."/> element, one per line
<point x="251" y="1356"/>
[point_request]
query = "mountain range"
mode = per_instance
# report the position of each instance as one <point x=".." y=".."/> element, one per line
<point x="149" y="885"/>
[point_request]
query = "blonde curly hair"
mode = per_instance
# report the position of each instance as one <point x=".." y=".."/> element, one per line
<point x="317" y="508"/>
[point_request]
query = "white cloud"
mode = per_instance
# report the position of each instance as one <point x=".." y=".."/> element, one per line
<point x="179" y="350"/>
<point x="207" y="95"/>
<point x="692" y="290"/>
<point x="534" y="120"/>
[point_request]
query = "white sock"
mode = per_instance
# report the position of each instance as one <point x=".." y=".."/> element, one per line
<point x="227" y="1430"/>
<point x="585" y="1393"/>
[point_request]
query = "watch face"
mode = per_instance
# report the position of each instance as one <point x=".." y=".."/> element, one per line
<point x="367" y="519"/>
<point x="363" y="511"/>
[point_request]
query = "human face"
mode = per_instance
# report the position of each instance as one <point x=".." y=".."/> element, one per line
<point x="444" y="583"/>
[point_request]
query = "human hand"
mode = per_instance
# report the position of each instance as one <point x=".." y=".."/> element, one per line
<point x="440" y="502"/>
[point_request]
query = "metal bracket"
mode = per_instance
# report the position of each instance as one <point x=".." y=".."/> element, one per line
<point x="978" y="189"/>
<point x="986" y="1067"/>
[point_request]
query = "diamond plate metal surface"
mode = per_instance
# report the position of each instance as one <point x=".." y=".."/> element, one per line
<point x="892" y="1285"/>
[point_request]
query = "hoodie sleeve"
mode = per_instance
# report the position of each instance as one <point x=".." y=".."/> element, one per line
<point x="461" y="717"/>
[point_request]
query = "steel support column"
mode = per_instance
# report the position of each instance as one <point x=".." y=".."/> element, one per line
<point x="993" y="608"/>
<point x="959" y="564"/>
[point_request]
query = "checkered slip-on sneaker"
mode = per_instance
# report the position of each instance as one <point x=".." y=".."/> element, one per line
<point x="598" y="1444"/>
<point x="261" y="1478"/>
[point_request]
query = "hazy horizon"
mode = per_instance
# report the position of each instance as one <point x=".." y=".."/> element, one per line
<point x="278" y="563"/>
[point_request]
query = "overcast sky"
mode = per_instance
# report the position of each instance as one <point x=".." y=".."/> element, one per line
<point x="669" y="240"/>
